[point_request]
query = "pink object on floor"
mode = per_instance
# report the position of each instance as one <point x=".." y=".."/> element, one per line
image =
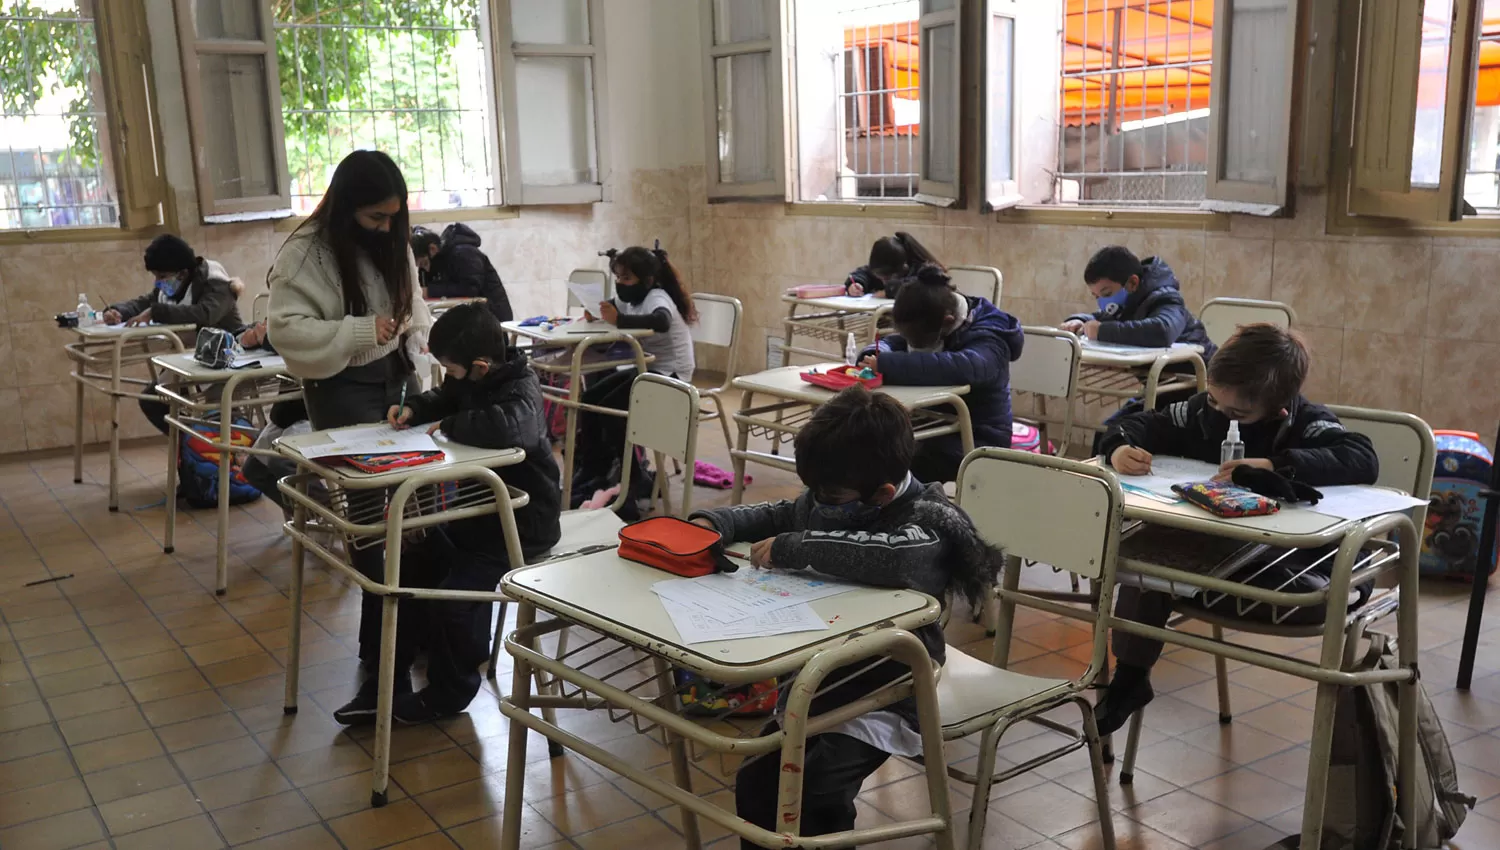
<point x="708" y="475"/>
<point x="601" y="499"/>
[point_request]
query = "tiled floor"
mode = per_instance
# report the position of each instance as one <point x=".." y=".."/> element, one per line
<point x="139" y="711"/>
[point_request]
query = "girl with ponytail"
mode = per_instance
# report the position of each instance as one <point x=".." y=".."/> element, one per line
<point x="893" y="260"/>
<point x="944" y="338"/>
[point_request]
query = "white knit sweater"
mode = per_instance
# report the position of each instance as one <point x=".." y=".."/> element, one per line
<point x="307" y="322"/>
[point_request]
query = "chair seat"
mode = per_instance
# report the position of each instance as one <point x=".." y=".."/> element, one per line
<point x="970" y="688"/>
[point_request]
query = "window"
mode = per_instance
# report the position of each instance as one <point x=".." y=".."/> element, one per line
<point x="1482" y="179"/>
<point x="286" y="89"/>
<point x="74" y="99"/>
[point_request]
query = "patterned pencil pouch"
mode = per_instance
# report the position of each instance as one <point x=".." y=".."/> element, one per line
<point x="1226" y="500"/>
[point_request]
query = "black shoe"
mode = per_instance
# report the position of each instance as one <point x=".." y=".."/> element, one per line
<point x="360" y="711"/>
<point x="1122" y="698"/>
<point x="414" y="709"/>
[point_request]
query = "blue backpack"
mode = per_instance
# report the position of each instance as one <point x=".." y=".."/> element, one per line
<point x="198" y="467"/>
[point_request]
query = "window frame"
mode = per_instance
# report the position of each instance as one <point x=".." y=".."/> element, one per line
<point x="930" y="190"/>
<point x="1006" y="193"/>
<point x="513" y="190"/>
<point x="777" y="103"/>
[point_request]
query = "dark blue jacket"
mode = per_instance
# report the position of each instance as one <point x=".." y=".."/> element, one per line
<point x="1154" y="316"/>
<point x="978" y="354"/>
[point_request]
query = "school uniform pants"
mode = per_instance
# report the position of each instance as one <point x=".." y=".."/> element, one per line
<point x="601" y="437"/>
<point x="937" y="460"/>
<point x="361" y="395"/>
<point x="834" y="766"/>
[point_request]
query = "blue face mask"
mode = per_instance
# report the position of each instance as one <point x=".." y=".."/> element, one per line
<point x="167" y="285"/>
<point x="1112" y="304"/>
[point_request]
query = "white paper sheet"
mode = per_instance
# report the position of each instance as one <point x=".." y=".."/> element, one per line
<point x="1360" y="502"/>
<point x="376" y="439"/>
<point x="264" y="359"/>
<point x="736" y="595"/>
<point x="588" y="294"/>
<point x="1166" y="471"/>
<point x="1126" y="349"/>
<point x="697" y="627"/>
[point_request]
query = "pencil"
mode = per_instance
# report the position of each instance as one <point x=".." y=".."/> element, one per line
<point x="401" y="405"/>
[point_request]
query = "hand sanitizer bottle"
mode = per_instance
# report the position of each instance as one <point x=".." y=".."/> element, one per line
<point x="85" y="312"/>
<point x="851" y="350"/>
<point x="1232" y="448"/>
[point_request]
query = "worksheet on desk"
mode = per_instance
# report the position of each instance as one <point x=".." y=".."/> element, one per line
<point x="1166" y="471"/>
<point x="374" y="440"/>
<point x="696" y="627"/>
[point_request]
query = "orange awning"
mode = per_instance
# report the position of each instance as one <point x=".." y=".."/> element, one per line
<point x="1164" y="50"/>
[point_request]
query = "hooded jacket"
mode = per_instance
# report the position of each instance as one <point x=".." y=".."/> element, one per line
<point x="978" y="353"/>
<point x="501" y="410"/>
<point x="1154" y="316"/>
<point x="461" y="270"/>
<point x="1309" y="444"/>
<point x="206" y="299"/>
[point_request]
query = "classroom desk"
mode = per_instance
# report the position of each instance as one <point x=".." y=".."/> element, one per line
<point x="100" y="355"/>
<point x="193" y="392"/>
<point x="1110" y="374"/>
<point x="439" y="306"/>
<point x="1297" y="528"/>
<point x="400" y="502"/>
<point x="565" y="350"/>
<point x="792" y="401"/>
<point x="831" y="320"/>
<point x="612" y="598"/>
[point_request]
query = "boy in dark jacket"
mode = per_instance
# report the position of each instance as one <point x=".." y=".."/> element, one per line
<point x="454" y="267"/>
<point x="864" y="518"/>
<point x="490" y="399"/>
<point x="1140" y="303"/>
<point x="1256" y="379"/>
<point x="944" y="338"/>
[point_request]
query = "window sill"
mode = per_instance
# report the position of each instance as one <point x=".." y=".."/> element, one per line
<point x="904" y="210"/>
<point x="1145" y="219"/>
<point x="287" y="225"/>
<point x="1340" y="223"/>
<point x="57" y="235"/>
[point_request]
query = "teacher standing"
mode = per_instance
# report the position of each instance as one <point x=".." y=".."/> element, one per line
<point x="347" y="316"/>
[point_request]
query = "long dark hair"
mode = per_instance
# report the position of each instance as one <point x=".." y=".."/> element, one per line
<point x="362" y="179"/>
<point x="899" y="256"/>
<point x="923" y="305"/>
<point x="651" y="266"/>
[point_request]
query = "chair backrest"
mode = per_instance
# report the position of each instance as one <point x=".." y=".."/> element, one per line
<point x="663" y="420"/>
<point x="1403" y="443"/>
<point x="979" y="281"/>
<point x="260" y="306"/>
<point x="1049" y="363"/>
<point x="718" y="325"/>
<point x="1222" y="315"/>
<point x="588" y="276"/>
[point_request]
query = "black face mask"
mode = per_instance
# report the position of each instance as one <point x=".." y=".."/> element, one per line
<point x="634" y="293"/>
<point x="377" y="243"/>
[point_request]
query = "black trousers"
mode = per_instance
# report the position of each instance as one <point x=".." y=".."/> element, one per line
<point x="263" y="472"/>
<point x="834" y="767"/>
<point x="361" y="395"/>
<point x="601" y="438"/>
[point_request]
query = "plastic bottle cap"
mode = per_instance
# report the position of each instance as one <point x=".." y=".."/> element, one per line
<point x="1234" y="430"/>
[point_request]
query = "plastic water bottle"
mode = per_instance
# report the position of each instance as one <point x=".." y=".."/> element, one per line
<point x="851" y="350"/>
<point x="1232" y="448"/>
<point x="85" y="312"/>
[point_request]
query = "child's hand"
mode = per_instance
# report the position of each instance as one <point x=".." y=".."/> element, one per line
<point x="705" y="522"/>
<point x="760" y="553"/>
<point x="609" y="313"/>
<point x="141" y="318"/>
<point x="1129" y="460"/>
<point x="1226" y="470"/>
<point x="1091" y="329"/>
<point x="855" y="289"/>
<point x="398" y="417"/>
<point x="385" y="330"/>
<point x="869" y="361"/>
<point x="111" y="317"/>
<point x="1072" y="326"/>
<point x="434" y="428"/>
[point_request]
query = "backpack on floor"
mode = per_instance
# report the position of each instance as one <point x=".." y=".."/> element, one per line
<point x="1028" y="438"/>
<point x="1455" y="514"/>
<point x="1361" y="812"/>
<point x="198" y="466"/>
<point x="702" y="698"/>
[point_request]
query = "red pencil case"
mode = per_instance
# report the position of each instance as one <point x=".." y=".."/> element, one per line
<point x="388" y="462"/>
<point x="841" y="378"/>
<point x="676" y="546"/>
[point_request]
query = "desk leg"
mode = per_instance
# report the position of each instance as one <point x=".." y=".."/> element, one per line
<point x="570" y="436"/>
<point x="737" y="457"/>
<point x="294" y="645"/>
<point x="169" y="534"/>
<point x="381" y="779"/>
<point x="1005" y="613"/>
<point x="78" y="432"/>
<point x="515" y="766"/>
<point x="226" y="468"/>
<point x="114" y="432"/>
<point x="682" y="772"/>
<point x="1332" y="658"/>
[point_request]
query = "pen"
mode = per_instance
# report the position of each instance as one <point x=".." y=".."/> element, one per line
<point x="401" y="406"/>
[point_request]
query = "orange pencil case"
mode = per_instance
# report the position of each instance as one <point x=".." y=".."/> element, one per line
<point x="676" y="546"/>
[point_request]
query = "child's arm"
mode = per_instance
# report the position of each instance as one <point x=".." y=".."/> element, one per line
<point x="132" y="308"/>
<point x="1159" y="329"/>
<point x="891" y="342"/>
<point x="207" y="311"/>
<point x="985" y="362"/>
<point x="1156" y="431"/>
<point x="751" y="523"/>
<point x="500" y="425"/>
<point x="432" y="405"/>
<point x="1327" y="455"/>
<point x="911" y="556"/>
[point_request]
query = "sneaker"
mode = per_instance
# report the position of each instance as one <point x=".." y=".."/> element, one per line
<point x="360" y="711"/>
<point x="413" y="709"/>
<point x="1121" y="700"/>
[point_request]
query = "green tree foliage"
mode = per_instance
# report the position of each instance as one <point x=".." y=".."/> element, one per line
<point x="46" y="52"/>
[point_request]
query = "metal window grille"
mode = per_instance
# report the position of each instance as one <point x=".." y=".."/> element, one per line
<point x="1135" y="89"/>
<point x="394" y="76"/>
<point x="1482" y="180"/>
<point x="54" y="152"/>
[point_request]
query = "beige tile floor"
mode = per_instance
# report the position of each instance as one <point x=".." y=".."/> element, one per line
<point x="139" y="711"/>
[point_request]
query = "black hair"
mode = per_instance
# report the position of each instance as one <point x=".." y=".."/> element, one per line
<point x="651" y="267"/>
<point x="899" y="256"/>
<point x="923" y="306"/>
<point x="170" y="253"/>
<point x="467" y="333"/>
<point x="1265" y="362"/>
<point x="423" y="239"/>
<point x="857" y="440"/>
<point x="1114" y="263"/>
<point x="362" y="179"/>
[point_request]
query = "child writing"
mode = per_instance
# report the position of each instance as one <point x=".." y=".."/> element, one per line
<point x="863" y="517"/>
<point x="1256" y="379"/>
<point x="945" y="338"/>
<point x="649" y="293"/>
<point x="489" y="398"/>
<point x="893" y="260"/>
<point x="1140" y="303"/>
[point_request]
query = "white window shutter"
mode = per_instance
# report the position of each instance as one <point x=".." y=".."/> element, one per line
<point x="744" y="99"/>
<point x="940" y="91"/>
<point x="998" y="89"/>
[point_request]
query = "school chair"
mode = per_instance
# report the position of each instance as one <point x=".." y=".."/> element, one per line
<point x="719" y="319"/>
<point x="1048" y="368"/>
<point x="586" y="276"/>
<point x="1222" y="315"/>
<point x="1404" y="445"/>
<point x="260" y="307"/>
<point x="1060" y="512"/>
<point x="977" y="281"/>
<point x="662" y="421"/>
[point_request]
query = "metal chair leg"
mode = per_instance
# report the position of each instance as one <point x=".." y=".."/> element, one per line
<point x="1132" y="742"/>
<point x="1221" y="672"/>
<point x="1101" y="782"/>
